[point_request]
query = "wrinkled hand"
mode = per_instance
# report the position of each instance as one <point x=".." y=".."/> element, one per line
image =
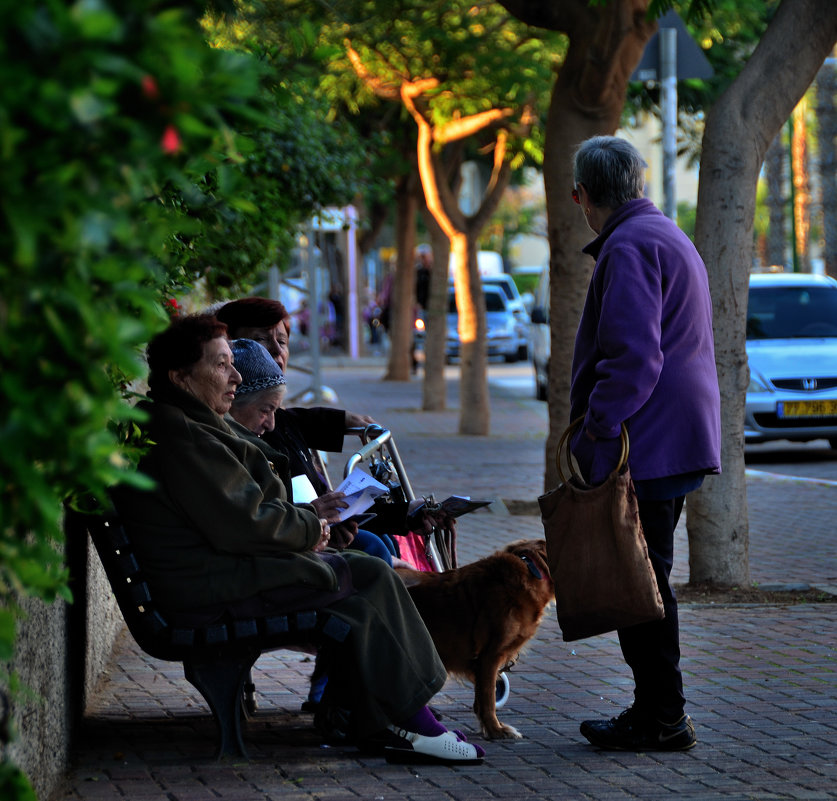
<point x="343" y="534"/>
<point x="330" y="505"/>
<point x="597" y="458"/>
<point x="325" y="536"/>
<point x="443" y="521"/>
<point x="354" y="420"/>
<point x="424" y="519"/>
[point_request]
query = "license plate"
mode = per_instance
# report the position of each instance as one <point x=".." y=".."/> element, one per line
<point x="823" y="408"/>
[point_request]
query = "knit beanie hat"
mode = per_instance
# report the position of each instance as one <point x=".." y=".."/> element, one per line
<point x="256" y="365"/>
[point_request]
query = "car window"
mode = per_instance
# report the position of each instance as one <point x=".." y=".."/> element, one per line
<point x="493" y="302"/>
<point x="782" y="312"/>
<point x="501" y="284"/>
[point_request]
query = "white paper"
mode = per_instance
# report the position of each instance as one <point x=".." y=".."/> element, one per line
<point x="360" y="490"/>
<point x="303" y="490"/>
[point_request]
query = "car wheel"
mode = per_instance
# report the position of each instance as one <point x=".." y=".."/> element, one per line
<point x="523" y="353"/>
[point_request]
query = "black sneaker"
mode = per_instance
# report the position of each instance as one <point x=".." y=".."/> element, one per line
<point x="633" y="731"/>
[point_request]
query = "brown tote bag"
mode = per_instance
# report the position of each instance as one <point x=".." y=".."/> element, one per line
<point x="596" y="550"/>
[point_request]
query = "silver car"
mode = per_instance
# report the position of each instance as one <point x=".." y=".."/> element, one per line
<point x="792" y="352"/>
<point x="506" y="334"/>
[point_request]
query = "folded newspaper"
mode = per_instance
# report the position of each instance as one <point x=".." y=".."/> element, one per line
<point x="360" y="490"/>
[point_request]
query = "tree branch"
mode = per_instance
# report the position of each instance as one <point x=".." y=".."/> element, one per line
<point x="468" y="126"/>
<point x="388" y="91"/>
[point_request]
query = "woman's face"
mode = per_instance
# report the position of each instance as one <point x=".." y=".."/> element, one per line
<point x="257" y="413"/>
<point x="275" y="340"/>
<point x="213" y="378"/>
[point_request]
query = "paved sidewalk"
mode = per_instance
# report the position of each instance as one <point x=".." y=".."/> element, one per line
<point x="761" y="680"/>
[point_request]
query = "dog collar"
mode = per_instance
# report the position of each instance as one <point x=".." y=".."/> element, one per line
<point x="533" y="568"/>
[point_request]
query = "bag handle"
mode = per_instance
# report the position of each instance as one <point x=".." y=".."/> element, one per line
<point x="565" y="441"/>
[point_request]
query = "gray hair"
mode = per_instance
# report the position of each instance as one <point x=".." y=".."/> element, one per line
<point x="257" y="396"/>
<point x="611" y="169"/>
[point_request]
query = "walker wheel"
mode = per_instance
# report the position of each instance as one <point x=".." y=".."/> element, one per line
<point x="501" y="690"/>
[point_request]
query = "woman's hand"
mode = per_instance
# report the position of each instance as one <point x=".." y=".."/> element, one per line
<point x="596" y="457"/>
<point x="343" y="534"/>
<point x="325" y="536"/>
<point x="330" y="505"/>
<point x="354" y="420"/>
<point x="423" y="519"/>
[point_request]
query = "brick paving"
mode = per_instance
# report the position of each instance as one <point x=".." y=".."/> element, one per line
<point x="761" y="680"/>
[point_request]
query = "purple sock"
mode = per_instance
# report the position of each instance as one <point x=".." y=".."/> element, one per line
<point x="424" y="722"/>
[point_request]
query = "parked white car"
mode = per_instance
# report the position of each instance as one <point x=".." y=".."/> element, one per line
<point x="792" y="352"/>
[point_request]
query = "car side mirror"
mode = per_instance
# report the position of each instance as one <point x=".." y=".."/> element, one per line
<point x="539" y="316"/>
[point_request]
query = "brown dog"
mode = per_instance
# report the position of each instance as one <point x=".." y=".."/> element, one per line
<point x="481" y="615"/>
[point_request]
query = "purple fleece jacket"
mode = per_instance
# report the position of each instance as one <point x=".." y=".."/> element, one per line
<point x="644" y="351"/>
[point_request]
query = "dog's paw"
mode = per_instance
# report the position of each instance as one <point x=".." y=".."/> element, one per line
<point x="501" y="732"/>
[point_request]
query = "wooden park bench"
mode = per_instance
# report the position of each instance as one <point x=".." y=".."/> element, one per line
<point x="216" y="658"/>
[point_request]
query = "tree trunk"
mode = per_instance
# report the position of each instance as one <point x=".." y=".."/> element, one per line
<point x="827" y="120"/>
<point x="402" y="303"/>
<point x="606" y="44"/>
<point x="744" y="121"/>
<point x="801" y="186"/>
<point x="434" y="390"/>
<point x="474" y="407"/>
<point x="774" y="169"/>
<point x="569" y="268"/>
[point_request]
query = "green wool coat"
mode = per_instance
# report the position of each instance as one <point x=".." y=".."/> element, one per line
<point x="218" y="526"/>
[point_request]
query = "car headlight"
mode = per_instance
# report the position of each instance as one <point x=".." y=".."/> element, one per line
<point x="757" y="384"/>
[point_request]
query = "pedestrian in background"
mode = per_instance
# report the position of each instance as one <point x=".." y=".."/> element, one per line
<point x="644" y="356"/>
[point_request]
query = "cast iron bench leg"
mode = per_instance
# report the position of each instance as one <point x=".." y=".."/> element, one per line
<point x="221" y="682"/>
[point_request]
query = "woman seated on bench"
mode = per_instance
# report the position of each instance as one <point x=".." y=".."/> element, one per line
<point x="257" y="399"/>
<point x="297" y="431"/>
<point x="217" y="538"/>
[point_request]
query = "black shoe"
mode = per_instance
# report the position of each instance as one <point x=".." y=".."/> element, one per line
<point x="334" y="724"/>
<point x="633" y="731"/>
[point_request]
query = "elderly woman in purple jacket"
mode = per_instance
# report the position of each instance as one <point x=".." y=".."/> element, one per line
<point x="644" y="356"/>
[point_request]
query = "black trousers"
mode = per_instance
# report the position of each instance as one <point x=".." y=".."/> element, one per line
<point x="652" y="650"/>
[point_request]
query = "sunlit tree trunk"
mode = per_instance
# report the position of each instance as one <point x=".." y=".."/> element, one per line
<point x="801" y="186"/>
<point x="461" y="229"/>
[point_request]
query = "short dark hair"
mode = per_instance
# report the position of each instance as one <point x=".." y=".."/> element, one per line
<point x="251" y="313"/>
<point x="611" y="170"/>
<point x="181" y="345"/>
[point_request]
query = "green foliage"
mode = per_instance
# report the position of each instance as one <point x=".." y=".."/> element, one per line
<point x="482" y="57"/>
<point x="14" y="786"/>
<point x="728" y="32"/>
<point x="309" y="158"/>
<point x="116" y="121"/>
<point x="686" y="217"/>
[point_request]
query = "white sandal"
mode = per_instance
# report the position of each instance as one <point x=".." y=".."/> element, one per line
<point x="445" y="749"/>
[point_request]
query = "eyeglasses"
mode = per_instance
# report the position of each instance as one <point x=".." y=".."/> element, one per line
<point x="576" y="198"/>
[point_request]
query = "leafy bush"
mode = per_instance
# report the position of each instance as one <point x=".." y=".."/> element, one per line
<point x="115" y="117"/>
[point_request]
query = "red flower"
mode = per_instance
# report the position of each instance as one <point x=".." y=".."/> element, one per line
<point x="171" y="142"/>
<point x="172" y="307"/>
<point x="149" y="87"/>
